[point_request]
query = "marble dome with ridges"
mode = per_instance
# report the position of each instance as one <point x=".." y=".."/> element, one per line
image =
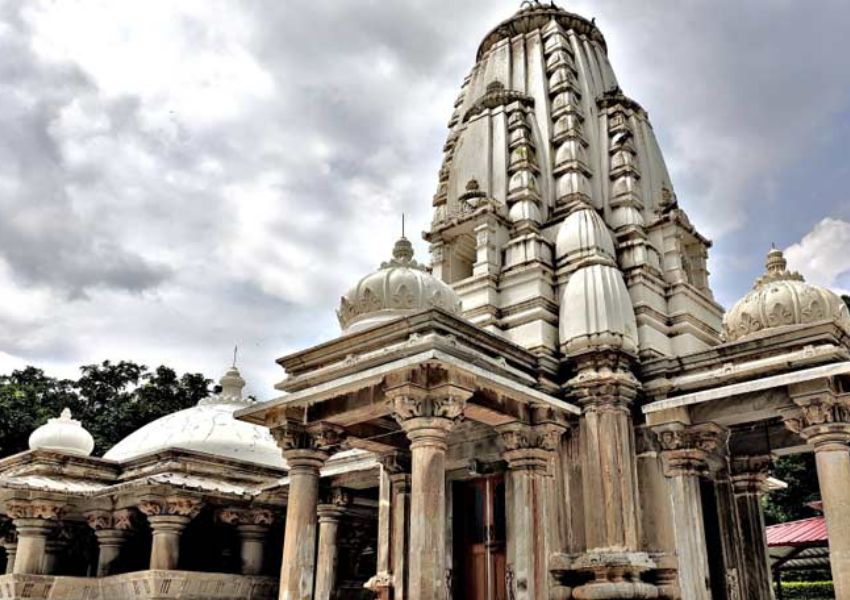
<point x="399" y="288"/>
<point x="207" y="427"/>
<point x="782" y="298"/>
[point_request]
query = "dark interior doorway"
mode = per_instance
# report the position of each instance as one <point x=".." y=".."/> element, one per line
<point x="478" y="515"/>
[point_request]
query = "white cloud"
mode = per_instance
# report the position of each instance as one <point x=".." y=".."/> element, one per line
<point x="823" y="255"/>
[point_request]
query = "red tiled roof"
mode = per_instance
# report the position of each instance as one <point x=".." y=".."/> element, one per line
<point x="805" y="532"/>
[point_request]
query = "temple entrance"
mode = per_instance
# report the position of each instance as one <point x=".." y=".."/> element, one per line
<point x="479" y="539"/>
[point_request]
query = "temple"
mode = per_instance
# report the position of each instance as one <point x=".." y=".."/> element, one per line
<point x="555" y="407"/>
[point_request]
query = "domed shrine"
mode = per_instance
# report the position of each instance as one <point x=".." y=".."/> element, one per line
<point x="554" y="407"/>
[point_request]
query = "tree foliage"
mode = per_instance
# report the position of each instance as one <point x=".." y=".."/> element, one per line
<point x="112" y="399"/>
<point x="790" y="504"/>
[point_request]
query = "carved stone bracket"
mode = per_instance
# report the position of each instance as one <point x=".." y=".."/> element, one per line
<point x="177" y="506"/>
<point x="749" y="473"/>
<point x="821" y="420"/>
<point x="100" y="520"/>
<point x="48" y="510"/>
<point x="395" y="463"/>
<point x="245" y="516"/>
<point x="690" y="450"/>
<point x="530" y="446"/>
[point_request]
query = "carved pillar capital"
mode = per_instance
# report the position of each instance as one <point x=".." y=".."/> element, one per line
<point x="428" y="417"/>
<point x="307" y="445"/>
<point x="171" y="513"/>
<point x="604" y="383"/>
<point x="45" y="510"/>
<point x="823" y="420"/>
<point x="530" y="447"/>
<point x="749" y="473"/>
<point x="336" y="501"/>
<point x="100" y="520"/>
<point x="394" y="463"/>
<point x="688" y="450"/>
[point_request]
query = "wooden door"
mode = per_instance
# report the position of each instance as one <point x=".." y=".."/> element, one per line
<point x="479" y="539"/>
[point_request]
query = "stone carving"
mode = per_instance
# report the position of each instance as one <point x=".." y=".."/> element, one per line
<point x="243" y="516"/>
<point x="323" y="437"/>
<point x="749" y="473"/>
<point x="496" y="95"/>
<point x="686" y="450"/>
<point x="181" y="506"/>
<point x="401" y="286"/>
<point x="412" y="405"/>
<point x="34" y="509"/>
<point x="820" y="420"/>
<point x="780" y="298"/>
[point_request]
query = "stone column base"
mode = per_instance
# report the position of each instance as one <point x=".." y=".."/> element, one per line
<point x="605" y="575"/>
<point x="381" y="584"/>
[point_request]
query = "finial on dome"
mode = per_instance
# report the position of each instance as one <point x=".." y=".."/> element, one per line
<point x="776" y="268"/>
<point x="62" y="434"/>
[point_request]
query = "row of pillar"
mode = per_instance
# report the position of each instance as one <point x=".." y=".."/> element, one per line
<point x="36" y="520"/>
<point x="689" y="453"/>
<point x="411" y="561"/>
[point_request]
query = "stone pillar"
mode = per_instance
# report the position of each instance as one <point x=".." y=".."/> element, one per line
<point x="393" y="513"/>
<point x="306" y="449"/>
<point x="427" y="411"/>
<point x="34" y="520"/>
<point x="822" y="418"/>
<point x="749" y="474"/>
<point x="529" y="450"/>
<point x="53" y="551"/>
<point x="168" y="517"/>
<point x="329" y="515"/>
<point x="11" y="551"/>
<point x="605" y="389"/>
<point x="400" y="533"/>
<point x="252" y="525"/>
<point x="727" y="517"/>
<point x="111" y="529"/>
<point x="685" y="453"/>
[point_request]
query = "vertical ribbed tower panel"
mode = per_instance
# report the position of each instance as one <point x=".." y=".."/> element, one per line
<point x="539" y="131"/>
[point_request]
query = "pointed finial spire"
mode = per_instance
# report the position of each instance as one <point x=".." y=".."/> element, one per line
<point x="235" y="350"/>
<point x="402" y="225"/>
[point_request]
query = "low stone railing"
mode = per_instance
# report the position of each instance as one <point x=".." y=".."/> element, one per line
<point x="149" y="585"/>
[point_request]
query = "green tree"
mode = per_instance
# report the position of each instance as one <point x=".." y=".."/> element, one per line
<point x="111" y="399"/>
<point x="790" y="504"/>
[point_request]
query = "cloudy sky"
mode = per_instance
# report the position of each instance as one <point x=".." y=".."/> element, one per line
<point x="180" y="177"/>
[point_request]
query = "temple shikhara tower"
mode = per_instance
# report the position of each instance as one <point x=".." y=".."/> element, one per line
<point x="554" y="407"/>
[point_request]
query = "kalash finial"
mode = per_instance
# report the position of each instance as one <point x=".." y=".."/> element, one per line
<point x="776" y="268"/>
<point x="402" y="253"/>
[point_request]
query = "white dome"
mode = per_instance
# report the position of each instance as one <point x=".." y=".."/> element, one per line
<point x="208" y="427"/>
<point x="399" y="288"/>
<point x="781" y="298"/>
<point x="62" y="434"/>
<point x="583" y="235"/>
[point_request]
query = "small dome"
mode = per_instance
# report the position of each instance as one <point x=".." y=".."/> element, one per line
<point x="781" y="298"/>
<point x="399" y="288"/>
<point x="597" y="312"/>
<point x="208" y="427"/>
<point x="583" y="235"/>
<point x="62" y="434"/>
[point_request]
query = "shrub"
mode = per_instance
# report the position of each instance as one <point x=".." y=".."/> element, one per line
<point x="807" y="590"/>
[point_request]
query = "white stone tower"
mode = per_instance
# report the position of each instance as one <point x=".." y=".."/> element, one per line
<point x="555" y="218"/>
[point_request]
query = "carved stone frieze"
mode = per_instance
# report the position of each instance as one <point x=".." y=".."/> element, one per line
<point x="688" y="450"/>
